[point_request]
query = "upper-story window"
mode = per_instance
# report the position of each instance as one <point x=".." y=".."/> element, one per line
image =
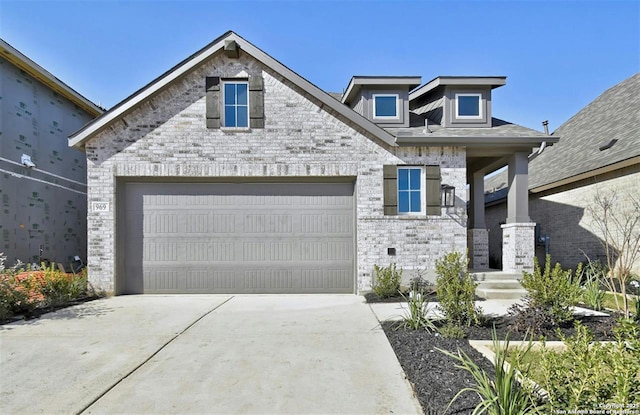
<point x="385" y="106"/>
<point x="468" y="106"/>
<point x="410" y="190"/>
<point x="236" y="104"/>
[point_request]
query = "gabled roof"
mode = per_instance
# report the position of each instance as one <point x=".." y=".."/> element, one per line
<point x="16" y="58"/>
<point x="79" y="138"/>
<point x="603" y="136"/>
<point x="358" y="81"/>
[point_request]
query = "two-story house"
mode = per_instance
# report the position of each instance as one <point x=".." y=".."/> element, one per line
<point x="230" y="173"/>
<point x="42" y="181"/>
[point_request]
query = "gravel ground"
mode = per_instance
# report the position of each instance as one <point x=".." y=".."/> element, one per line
<point x="434" y="376"/>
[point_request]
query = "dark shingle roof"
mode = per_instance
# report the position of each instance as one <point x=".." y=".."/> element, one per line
<point x="614" y="115"/>
<point x="499" y="128"/>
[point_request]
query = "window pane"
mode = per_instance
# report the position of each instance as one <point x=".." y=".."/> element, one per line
<point x="229" y="94"/>
<point x="414" y="179"/>
<point x="415" y="201"/>
<point x="403" y="202"/>
<point x="469" y="106"/>
<point x="242" y="94"/>
<point x="229" y="116"/>
<point x="385" y="106"/>
<point x="243" y="117"/>
<point x="403" y="179"/>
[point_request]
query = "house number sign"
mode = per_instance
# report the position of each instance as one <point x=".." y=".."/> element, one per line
<point x="100" y="206"/>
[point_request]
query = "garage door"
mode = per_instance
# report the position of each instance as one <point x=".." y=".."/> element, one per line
<point x="238" y="238"/>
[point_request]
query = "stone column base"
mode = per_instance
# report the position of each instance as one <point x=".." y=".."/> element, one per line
<point x="518" y="247"/>
<point x="478" y="245"/>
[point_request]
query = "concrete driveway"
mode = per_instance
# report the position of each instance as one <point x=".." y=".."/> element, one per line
<point x="201" y="354"/>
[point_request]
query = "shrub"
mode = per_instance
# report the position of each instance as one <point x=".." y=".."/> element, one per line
<point x="502" y="395"/>
<point x="386" y="282"/>
<point x="588" y="375"/>
<point x="60" y="288"/>
<point x="456" y="290"/>
<point x="551" y="296"/>
<point x="22" y="291"/>
<point x="452" y="331"/>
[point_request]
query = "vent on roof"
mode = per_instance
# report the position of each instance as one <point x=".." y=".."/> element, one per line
<point x="608" y="145"/>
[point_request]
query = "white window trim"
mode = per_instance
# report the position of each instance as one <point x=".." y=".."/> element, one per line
<point x="423" y="191"/>
<point x="222" y="105"/>
<point x="480" y="115"/>
<point x="386" y="117"/>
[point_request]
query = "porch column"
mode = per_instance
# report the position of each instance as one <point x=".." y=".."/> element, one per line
<point x="477" y="234"/>
<point x="518" y="232"/>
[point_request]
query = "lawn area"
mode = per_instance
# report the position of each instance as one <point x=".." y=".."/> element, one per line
<point x="610" y="302"/>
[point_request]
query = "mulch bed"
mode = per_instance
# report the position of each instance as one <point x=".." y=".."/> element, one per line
<point x="435" y="378"/>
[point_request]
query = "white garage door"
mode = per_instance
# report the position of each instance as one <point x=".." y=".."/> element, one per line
<point x="238" y="238"/>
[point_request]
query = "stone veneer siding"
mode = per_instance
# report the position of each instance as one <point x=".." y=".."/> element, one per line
<point x="166" y="137"/>
<point x="563" y="215"/>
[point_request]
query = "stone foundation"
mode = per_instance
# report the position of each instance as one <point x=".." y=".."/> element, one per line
<point x="478" y="245"/>
<point x="518" y="246"/>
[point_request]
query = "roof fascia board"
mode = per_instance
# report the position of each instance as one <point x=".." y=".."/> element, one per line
<point x="492" y="81"/>
<point x="78" y="138"/>
<point x="602" y="170"/>
<point x="357" y="81"/>
<point x="21" y="61"/>
<point x="477" y="141"/>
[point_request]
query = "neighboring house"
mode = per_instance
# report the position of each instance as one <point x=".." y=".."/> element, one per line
<point x="230" y="173"/>
<point x="42" y="181"/>
<point x="599" y="152"/>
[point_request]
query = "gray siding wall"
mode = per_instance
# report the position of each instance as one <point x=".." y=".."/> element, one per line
<point x="44" y="207"/>
<point x="166" y="138"/>
<point x="564" y="216"/>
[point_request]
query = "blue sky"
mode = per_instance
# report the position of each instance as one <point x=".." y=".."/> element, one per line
<point x="558" y="55"/>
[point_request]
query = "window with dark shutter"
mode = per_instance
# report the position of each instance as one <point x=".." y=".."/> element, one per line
<point x="404" y="187"/>
<point x="234" y="106"/>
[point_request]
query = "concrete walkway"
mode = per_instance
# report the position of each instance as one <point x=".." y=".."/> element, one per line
<point x="203" y="354"/>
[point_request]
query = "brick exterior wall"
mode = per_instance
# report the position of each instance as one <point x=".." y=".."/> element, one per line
<point x="563" y="215"/>
<point x="478" y="243"/>
<point x="166" y="137"/>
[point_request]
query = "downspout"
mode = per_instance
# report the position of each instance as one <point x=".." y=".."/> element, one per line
<point x="543" y="145"/>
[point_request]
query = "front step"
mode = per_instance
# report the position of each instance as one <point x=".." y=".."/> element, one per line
<point x="501" y="293"/>
<point x="498" y="285"/>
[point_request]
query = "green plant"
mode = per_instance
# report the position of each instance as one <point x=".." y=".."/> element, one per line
<point x="590" y="374"/>
<point x="503" y="394"/>
<point x="551" y="296"/>
<point x="416" y="316"/>
<point x="592" y="275"/>
<point x="386" y="282"/>
<point x="452" y="331"/>
<point x="455" y="290"/>
<point x="60" y="288"/>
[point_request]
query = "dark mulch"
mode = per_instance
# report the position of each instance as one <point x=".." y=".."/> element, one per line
<point x="434" y="376"/>
<point x="372" y="297"/>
